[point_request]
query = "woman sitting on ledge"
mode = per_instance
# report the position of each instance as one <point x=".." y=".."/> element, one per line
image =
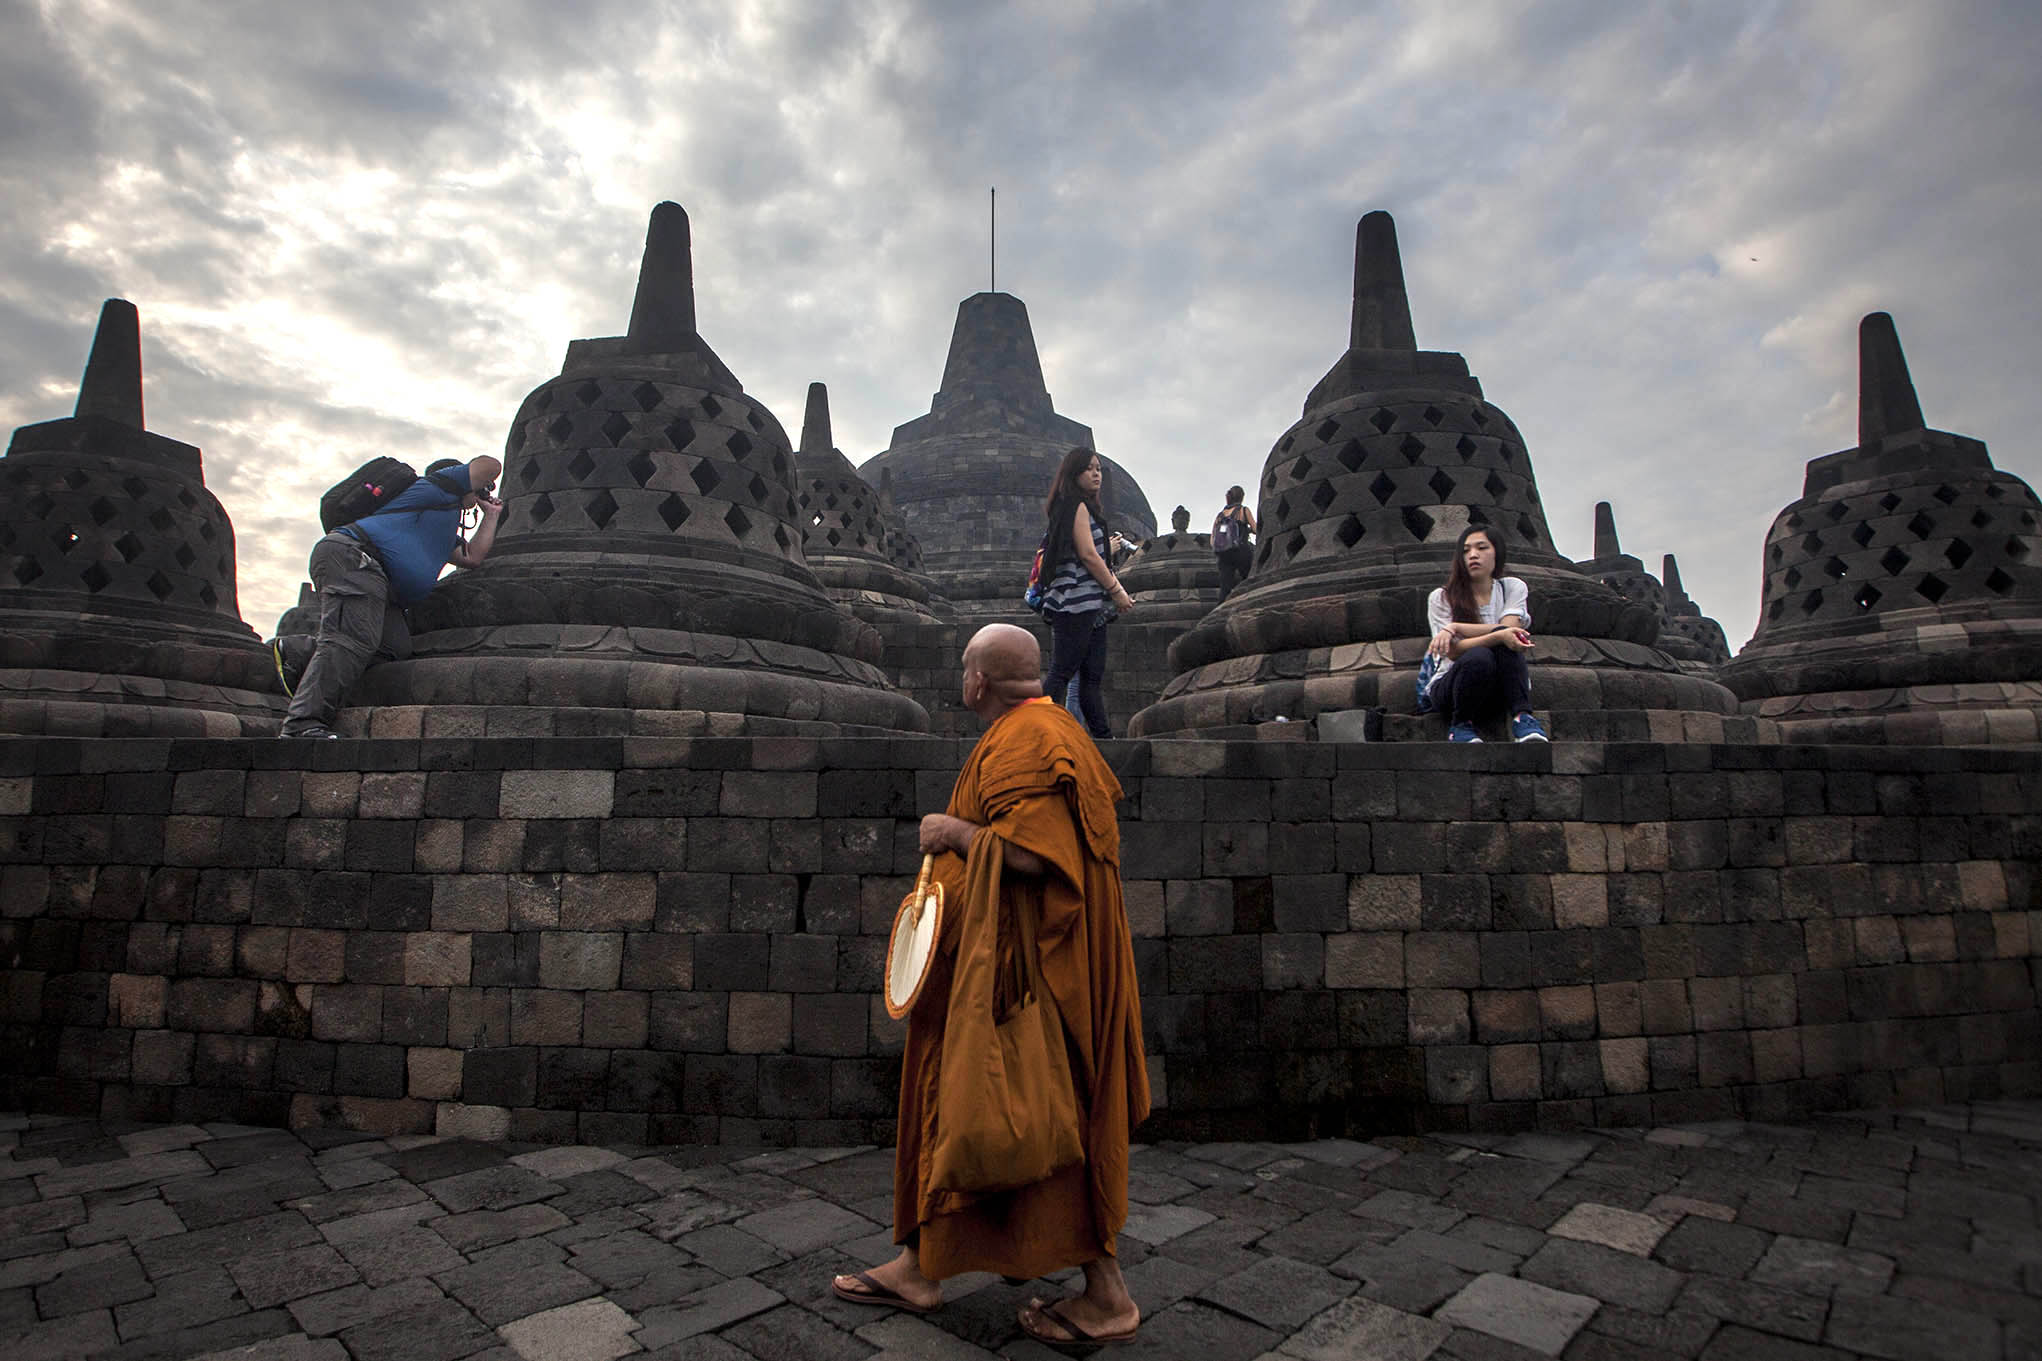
<point x="1480" y="643"/>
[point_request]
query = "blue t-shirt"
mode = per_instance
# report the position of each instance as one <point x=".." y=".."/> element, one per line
<point x="415" y="534"/>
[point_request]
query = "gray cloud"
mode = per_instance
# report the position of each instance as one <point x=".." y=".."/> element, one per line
<point x="375" y="227"/>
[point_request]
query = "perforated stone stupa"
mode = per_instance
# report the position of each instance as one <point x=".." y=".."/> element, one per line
<point x="970" y="476"/>
<point x="1686" y="636"/>
<point x="851" y="535"/>
<point x="1360" y="504"/>
<point x="118" y="614"/>
<point x="1903" y="597"/>
<point x="648" y="574"/>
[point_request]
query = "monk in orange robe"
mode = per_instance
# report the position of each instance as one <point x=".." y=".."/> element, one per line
<point x="1036" y="783"/>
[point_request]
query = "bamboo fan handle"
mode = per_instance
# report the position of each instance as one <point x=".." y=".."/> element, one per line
<point x="922" y="887"/>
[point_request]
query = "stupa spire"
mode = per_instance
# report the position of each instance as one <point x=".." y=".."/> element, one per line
<point x="1606" y="545"/>
<point x="1669" y="576"/>
<point x="112" y="386"/>
<point x="1382" y="309"/>
<point x="663" y="312"/>
<point x="1887" y="404"/>
<point x="815" y="422"/>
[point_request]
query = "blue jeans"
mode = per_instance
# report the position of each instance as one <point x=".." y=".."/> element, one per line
<point x="1485" y="683"/>
<point x="1078" y="648"/>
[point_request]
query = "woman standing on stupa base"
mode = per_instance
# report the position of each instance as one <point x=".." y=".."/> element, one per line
<point x="1481" y="643"/>
<point x="1082" y="594"/>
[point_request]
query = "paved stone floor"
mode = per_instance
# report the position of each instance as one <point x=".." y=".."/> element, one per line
<point x="1907" y="1235"/>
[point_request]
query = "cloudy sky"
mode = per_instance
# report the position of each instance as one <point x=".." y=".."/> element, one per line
<point x="1651" y="228"/>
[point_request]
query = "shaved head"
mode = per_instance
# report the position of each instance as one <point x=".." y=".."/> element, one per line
<point x="1002" y="667"/>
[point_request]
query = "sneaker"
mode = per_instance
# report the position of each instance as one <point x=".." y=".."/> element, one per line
<point x="276" y="652"/>
<point x="1463" y="732"/>
<point x="1525" y="728"/>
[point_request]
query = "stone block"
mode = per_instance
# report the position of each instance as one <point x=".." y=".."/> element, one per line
<point x="614" y="1020"/>
<point x="1442" y="960"/>
<point x="1567" y="1013"/>
<point x="1438" y="1016"/>
<point x="596" y="902"/>
<point x="1718" y="1003"/>
<point x="1619" y="1008"/>
<point x="1365" y="959"/>
<point x="543" y="1016"/>
<point x="500" y="1077"/>
<point x="347" y="1012"/>
<point x="470" y="902"/>
<point x="1198" y="907"/>
<point x="1580" y="900"/>
<point x="760" y="1023"/>
<point x="136" y="1001"/>
<point x="1295" y="960"/>
<point x="654" y="961"/>
<point x="1626" y="1066"/>
<point x="802" y="963"/>
<point x="163" y="1058"/>
<point x="580" y="959"/>
<point x="556" y="794"/>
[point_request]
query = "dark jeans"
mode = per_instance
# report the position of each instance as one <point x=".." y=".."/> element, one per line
<point x="1234" y="564"/>
<point x="1078" y="648"/>
<point x="1486" y="683"/>
<point x="357" y="625"/>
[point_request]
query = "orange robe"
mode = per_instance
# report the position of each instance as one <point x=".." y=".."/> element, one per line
<point x="1035" y="780"/>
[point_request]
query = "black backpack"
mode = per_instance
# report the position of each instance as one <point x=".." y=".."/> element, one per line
<point x="1229" y="531"/>
<point x="369" y="488"/>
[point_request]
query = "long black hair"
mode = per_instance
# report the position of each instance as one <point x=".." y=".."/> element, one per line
<point x="1460" y="587"/>
<point x="1060" y="507"/>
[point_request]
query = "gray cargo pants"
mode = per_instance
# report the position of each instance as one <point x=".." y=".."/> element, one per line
<point x="357" y="625"/>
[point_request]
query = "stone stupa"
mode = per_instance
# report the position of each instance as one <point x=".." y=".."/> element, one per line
<point x="648" y="575"/>
<point x="1361" y="502"/>
<point x="1684" y="636"/>
<point x="1685" y="622"/>
<point x="118" y="613"/>
<point x="1903" y="594"/>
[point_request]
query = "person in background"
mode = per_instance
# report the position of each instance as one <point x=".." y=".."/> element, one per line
<point x="1083" y="595"/>
<point x="1231" y="530"/>
<point x="1481" y="642"/>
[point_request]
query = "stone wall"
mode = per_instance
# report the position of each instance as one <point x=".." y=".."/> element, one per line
<point x="681" y="939"/>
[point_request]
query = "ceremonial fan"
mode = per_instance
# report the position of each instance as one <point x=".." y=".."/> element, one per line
<point x="912" y="947"/>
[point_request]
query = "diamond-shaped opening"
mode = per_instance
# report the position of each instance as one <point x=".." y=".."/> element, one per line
<point x="1476" y="517"/>
<point x="1351" y="456"/>
<point x="751" y="418"/>
<point x="615" y="426"/>
<point x="209" y="595"/>
<point x="1417" y="522"/>
<point x="1932" y="588"/>
<point x="646" y="395"/>
<point x="1958" y="553"/>
<point x="1383" y="488"/>
<point x="588" y="391"/>
<point x="186" y="499"/>
<point x="1812" y="544"/>
<point x="130" y="548"/>
<point x="1867" y="596"/>
<point x="1792" y="577"/>
<point x="135" y="487"/>
<point x="580" y="466"/>
<point x="1465" y="447"/>
<point x="1889" y="503"/>
<point x="1921" y="526"/>
<point x="1794" y="521"/>
<point x="1283" y="445"/>
<point x="1433" y="415"/>
<point x="101" y="510"/>
<point x="1508" y="451"/>
<point x="1350" y="532"/>
<point x="1283" y="508"/>
<point x="1980" y="518"/>
<point x="1998" y="582"/>
<point x="1779" y="608"/>
<point x="2017" y="548"/>
<point x="185" y="557"/>
<point x="602" y="508"/>
<point x="65" y="539"/>
<point x="738" y="521"/>
<point x="1302" y="469"/>
<point x="1442" y="485"/>
<point x="705" y="477"/>
<point x="26" y="571"/>
<point x="1293" y="545"/>
<point x="835" y="537"/>
<point x="96" y="578"/>
<point x="161" y="518"/>
<point x="1527" y="531"/>
<point x="517" y="441"/>
<point x="680" y="433"/>
<point x="542" y="509"/>
<point x="1836" y="568"/>
<point x="779" y="465"/>
<point x="738" y="444"/>
<point x="1412" y="448"/>
<point x="780" y="537"/>
<point x="76" y="478"/>
<point x="1811" y="602"/>
<point x="1323" y="496"/>
<point x="560" y="427"/>
<point x="1480" y="416"/>
<point x="1495" y="485"/>
<point x="1383" y="420"/>
<point x="159" y="585"/>
<point x="1774" y="554"/>
<point x="1995" y="490"/>
<point x="206" y="531"/>
<point x="711" y="407"/>
<point x="674" y="511"/>
<point x="1837" y="510"/>
<point x="1945" y="493"/>
<point x="641" y="467"/>
<point x="1328" y="428"/>
<point x="1862" y="535"/>
<point x="758" y="488"/>
<point x="528" y="471"/>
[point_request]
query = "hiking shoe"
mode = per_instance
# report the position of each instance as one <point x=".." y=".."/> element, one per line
<point x="1463" y="732"/>
<point x="276" y="652"/>
<point x="1525" y="728"/>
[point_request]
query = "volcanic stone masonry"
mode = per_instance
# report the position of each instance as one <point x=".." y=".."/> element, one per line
<point x="648" y="574"/>
<point x="1684" y="635"/>
<point x="1903" y="597"/>
<point x="117" y="604"/>
<point x="1361" y="503"/>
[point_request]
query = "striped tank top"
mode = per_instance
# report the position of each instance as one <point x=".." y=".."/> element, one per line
<point x="1073" y="590"/>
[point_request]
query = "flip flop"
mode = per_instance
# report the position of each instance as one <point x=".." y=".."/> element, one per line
<point x="875" y="1293"/>
<point x="1079" y="1339"/>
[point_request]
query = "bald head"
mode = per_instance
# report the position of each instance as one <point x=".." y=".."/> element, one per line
<point x="1002" y="667"/>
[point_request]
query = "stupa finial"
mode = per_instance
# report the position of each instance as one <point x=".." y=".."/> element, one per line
<point x="112" y="386"/>
<point x="1382" y="309"/>
<point x="1606" y="545"/>
<point x="1669" y="577"/>
<point x="1887" y="404"/>
<point x="663" y="313"/>
<point x="815" y="422"/>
